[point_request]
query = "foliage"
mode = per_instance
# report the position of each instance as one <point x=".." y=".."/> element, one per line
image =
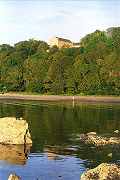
<point x="33" y="66"/>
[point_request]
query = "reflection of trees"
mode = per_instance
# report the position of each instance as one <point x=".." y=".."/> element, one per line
<point x="93" y="155"/>
<point x="56" y="124"/>
<point x="8" y="109"/>
<point x="47" y="125"/>
<point x="98" y="155"/>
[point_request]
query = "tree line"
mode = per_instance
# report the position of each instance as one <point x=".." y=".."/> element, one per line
<point x="33" y="66"/>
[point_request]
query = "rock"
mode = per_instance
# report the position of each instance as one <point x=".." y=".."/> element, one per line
<point x="110" y="155"/>
<point x="92" y="138"/>
<point x="114" y="140"/>
<point x="14" y="177"/>
<point x="116" y="131"/>
<point x="14" y="154"/>
<point x="91" y="134"/>
<point x="14" y="131"/>
<point x="102" y="172"/>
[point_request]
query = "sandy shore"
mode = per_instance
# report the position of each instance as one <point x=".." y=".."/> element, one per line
<point x="102" y="99"/>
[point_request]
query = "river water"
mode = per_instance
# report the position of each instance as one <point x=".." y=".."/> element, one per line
<point x="56" y="153"/>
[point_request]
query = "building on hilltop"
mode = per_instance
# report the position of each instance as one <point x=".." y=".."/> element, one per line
<point x="62" y="43"/>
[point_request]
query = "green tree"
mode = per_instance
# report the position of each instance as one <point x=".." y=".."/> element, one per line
<point x="36" y="68"/>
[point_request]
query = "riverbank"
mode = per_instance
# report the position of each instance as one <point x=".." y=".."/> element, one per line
<point x="94" y="99"/>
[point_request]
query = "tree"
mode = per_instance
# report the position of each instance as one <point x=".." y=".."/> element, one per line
<point x="36" y="68"/>
<point x="56" y="75"/>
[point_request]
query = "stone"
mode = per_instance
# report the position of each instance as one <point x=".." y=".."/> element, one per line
<point x="92" y="134"/>
<point x="14" y="177"/>
<point x="110" y="155"/>
<point x="93" y="138"/>
<point x="114" y="140"/>
<point x="116" y="131"/>
<point x="13" y="131"/>
<point x="103" y="172"/>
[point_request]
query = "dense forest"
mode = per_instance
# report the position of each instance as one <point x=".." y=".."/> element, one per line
<point x="33" y="66"/>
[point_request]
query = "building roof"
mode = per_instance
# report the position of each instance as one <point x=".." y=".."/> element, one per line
<point x="74" y="43"/>
<point x="62" y="39"/>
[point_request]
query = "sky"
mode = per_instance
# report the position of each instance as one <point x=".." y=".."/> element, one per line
<point x="42" y="19"/>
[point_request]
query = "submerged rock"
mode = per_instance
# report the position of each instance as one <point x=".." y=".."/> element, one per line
<point x="110" y="155"/>
<point x="116" y="131"/>
<point x="14" y="131"/>
<point x="14" y="177"/>
<point x="102" y="172"/>
<point x="92" y="138"/>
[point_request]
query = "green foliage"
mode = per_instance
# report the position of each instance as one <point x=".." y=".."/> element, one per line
<point x="116" y="39"/>
<point x="33" y="66"/>
<point x="36" y="68"/>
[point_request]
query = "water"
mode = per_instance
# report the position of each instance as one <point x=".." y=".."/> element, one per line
<point x="57" y="153"/>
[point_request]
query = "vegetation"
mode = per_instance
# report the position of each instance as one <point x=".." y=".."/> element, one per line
<point x="94" y="68"/>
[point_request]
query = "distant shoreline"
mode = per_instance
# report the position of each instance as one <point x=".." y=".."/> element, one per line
<point x="89" y="99"/>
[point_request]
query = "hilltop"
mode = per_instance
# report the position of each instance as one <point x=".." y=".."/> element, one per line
<point x="91" y="68"/>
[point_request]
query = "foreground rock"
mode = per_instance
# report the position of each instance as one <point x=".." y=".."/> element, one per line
<point x="14" y="154"/>
<point x="103" y="172"/>
<point x="14" y="177"/>
<point x="92" y="138"/>
<point x="14" y="131"/>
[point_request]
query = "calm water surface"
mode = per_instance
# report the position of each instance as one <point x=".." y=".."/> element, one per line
<point x="55" y="128"/>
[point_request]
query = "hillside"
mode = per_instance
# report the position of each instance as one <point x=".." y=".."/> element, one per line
<point x="33" y="66"/>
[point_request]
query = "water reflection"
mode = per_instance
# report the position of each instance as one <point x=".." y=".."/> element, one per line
<point x="55" y="130"/>
<point x="14" y="154"/>
<point x="60" y="150"/>
<point x="93" y="155"/>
